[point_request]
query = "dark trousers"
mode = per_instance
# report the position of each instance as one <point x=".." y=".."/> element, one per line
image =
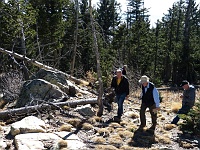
<point x="143" y="116"/>
<point x="120" y="100"/>
<point x="184" y="110"/>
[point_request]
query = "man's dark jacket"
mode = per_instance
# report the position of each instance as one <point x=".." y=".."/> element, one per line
<point x="147" y="98"/>
<point x="123" y="87"/>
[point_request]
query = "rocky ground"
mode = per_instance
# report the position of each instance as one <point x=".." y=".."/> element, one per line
<point x="79" y="128"/>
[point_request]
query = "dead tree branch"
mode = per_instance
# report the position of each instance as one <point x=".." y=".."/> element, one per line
<point x="40" y="65"/>
<point x="7" y="114"/>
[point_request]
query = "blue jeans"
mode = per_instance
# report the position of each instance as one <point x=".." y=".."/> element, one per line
<point x="184" y="110"/>
<point x="120" y="100"/>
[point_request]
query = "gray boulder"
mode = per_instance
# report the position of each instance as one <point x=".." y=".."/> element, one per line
<point x="50" y="76"/>
<point x="38" y="89"/>
<point x="56" y="78"/>
<point x="30" y="124"/>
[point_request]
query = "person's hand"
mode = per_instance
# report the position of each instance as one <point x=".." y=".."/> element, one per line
<point x="127" y="97"/>
<point x="181" y="96"/>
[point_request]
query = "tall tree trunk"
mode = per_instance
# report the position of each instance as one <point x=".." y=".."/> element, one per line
<point x="186" y="74"/>
<point x="99" y="75"/>
<point x="175" y="61"/>
<point x="75" y="39"/>
<point x="23" y="48"/>
<point x="156" y="48"/>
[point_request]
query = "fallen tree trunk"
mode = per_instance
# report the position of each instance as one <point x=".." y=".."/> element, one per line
<point x="8" y="114"/>
<point x="40" y="65"/>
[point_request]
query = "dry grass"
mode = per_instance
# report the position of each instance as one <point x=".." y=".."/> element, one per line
<point x="124" y="123"/>
<point x="120" y="129"/>
<point x="115" y="125"/>
<point x="62" y="144"/>
<point x="175" y="106"/>
<point x="98" y="119"/>
<point x="164" y="139"/>
<point x="80" y="95"/>
<point x="110" y="129"/>
<point x="132" y="127"/>
<point x="125" y="134"/>
<point x="115" y="139"/>
<point x="186" y="145"/>
<point x="66" y="127"/>
<point x="98" y="140"/>
<point x="105" y="147"/>
<point x="169" y="126"/>
<point x="103" y="132"/>
<point x="162" y="118"/>
<point x="133" y="115"/>
<point x="126" y="147"/>
<point x="92" y="120"/>
<point x="66" y="107"/>
<point x="74" y="122"/>
<point x="87" y="126"/>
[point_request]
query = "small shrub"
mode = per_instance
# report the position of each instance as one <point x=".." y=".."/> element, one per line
<point x="125" y="134"/>
<point x="115" y="139"/>
<point x="132" y="127"/>
<point x="98" y="119"/>
<point x="186" y="145"/>
<point x="98" y="140"/>
<point x="126" y="147"/>
<point x="103" y="132"/>
<point x="87" y="126"/>
<point x="92" y="120"/>
<point x="66" y="127"/>
<point x="169" y="126"/>
<point x="115" y="125"/>
<point x="74" y="122"/>
<point x="192" y="120"/>
<point x="175" y="107"/>
<point x="62" y="144"/>
<point x="164" y="139"/>
<point x="133" y="115"/>
<point x="105" y="147"/>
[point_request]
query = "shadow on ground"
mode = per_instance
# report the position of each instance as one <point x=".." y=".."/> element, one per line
<point x="143" y="138"/>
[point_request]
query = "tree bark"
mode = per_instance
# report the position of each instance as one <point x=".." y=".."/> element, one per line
<point x="75" y="40"/>
<point x="40" y="65"/>
<point x="7" y="114"/>
<point x="99" y="75"/>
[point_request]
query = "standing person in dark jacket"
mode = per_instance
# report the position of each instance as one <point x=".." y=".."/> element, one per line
<point x="188" y="99"/>
<point x="124" y="70"/>
<point x="150" y="99"/>
<point x="121" y="85"/>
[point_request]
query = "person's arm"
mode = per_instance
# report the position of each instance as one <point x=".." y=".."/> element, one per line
<point x="192" y="94"/>
<point x="127" y="91"/>
<point x="112" y="83"/>
<point x="156" y="97"/>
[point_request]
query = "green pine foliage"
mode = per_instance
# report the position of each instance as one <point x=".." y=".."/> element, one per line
<point x="44" y="30"/>
<point x="191" y="123"/>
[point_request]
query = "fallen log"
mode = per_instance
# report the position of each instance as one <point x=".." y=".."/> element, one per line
<point x="40" y="65"/>
<point x="8" y="114"/>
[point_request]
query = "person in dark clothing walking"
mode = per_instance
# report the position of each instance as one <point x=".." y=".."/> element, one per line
<point x="121" y="86"/>
<point x="150" y="99"/>
<point x="188" y="99"/>
<point x="124" y="69"/>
